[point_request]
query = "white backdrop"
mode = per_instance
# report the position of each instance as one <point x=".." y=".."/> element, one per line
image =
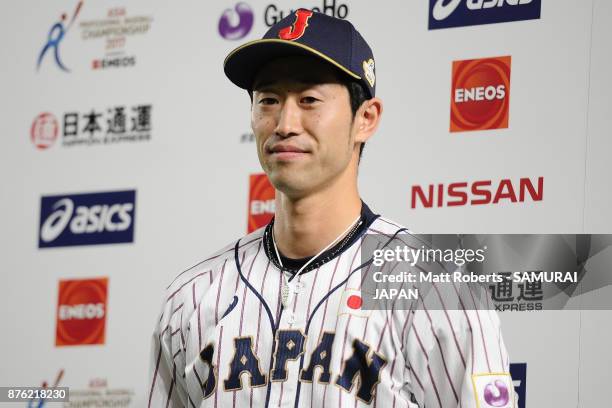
<point x="191" y="177"/>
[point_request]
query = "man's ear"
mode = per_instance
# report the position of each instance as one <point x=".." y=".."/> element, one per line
<point x="367" y="119"/>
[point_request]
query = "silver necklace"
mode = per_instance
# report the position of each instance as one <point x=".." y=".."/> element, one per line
<point x="288" y="288"/>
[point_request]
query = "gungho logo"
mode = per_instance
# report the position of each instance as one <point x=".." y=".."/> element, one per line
<point x="261" y="202"/>
<point x="236" y="23"/>
<point x="81" y="312"/>
<point x="87" y="219"/>
<point x="480" y="94"/>
<point x="460" y="13"/>
<point x="333" y="8"/>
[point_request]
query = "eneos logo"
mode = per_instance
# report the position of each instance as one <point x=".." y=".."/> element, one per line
<point x="459" y="13"/>
<point x="261" y="202"/>
<point x="44" y="130"/>
<point x="81" y="312"/>
<point x="480" y="94"/>
<point x="87" y="219"/>
<point x="236" y="23"/>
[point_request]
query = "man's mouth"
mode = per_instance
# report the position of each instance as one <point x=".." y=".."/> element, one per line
<point x="287" y="151"/>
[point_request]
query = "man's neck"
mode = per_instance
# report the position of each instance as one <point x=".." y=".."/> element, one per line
<point x="305" y="226"/>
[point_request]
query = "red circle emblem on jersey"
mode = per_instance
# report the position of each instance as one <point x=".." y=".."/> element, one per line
<point x="354" y="302"/>
<point x="44" y="130"/>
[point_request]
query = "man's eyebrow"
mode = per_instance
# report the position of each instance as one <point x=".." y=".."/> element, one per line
<point x="270" y="83"/>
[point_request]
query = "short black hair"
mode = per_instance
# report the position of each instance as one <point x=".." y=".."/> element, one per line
<point x="358" y="96"/>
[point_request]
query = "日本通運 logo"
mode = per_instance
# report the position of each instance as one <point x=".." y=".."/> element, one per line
<point x="44" y="130"/>
<point x="94" y="127"/>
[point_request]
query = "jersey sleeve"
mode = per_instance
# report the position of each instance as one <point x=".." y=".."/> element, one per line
<point x="167" y="361"/>
<point x="456" y="356"/>
<point x="168" y="387"/>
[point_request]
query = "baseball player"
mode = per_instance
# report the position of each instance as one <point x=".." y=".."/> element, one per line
<point x="275" y="318"/>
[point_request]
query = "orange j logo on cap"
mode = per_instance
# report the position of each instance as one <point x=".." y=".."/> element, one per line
<point x="298" y="28"/>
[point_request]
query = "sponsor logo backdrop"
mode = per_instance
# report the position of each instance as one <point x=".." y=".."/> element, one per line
<point x="496" y="121"/>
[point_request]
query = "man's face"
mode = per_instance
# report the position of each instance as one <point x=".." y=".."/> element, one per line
<point x="303" y="124"/>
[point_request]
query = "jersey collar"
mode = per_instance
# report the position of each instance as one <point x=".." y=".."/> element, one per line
<point x="292" y="265"/>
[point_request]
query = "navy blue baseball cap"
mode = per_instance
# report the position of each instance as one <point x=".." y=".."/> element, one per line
<point x="305" y="32"/>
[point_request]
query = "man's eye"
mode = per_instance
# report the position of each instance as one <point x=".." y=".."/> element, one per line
<point x="267" y="101"/>
<point x="309" y="99"/>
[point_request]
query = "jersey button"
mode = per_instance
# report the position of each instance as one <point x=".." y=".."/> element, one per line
<point x="290" y="318"/>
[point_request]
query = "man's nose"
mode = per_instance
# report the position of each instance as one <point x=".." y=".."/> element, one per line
<point x="289" y="120"/>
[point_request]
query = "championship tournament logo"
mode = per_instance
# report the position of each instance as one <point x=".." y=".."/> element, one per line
<point x="56" y="34"/>
<point x="480" y="94"/>
<point x="81" y="312"/>
<point x="261" y="202"/>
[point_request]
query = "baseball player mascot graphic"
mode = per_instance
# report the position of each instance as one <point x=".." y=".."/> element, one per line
<point x="275" y="319"/>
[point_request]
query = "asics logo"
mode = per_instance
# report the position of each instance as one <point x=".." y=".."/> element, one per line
<point x="444" y="8"/>
<point x="85" y="220"/>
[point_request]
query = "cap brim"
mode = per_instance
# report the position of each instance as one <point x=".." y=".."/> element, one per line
<point x="243" y="63"/>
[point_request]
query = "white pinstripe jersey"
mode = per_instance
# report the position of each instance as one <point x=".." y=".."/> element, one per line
<point x="224" y="339"/>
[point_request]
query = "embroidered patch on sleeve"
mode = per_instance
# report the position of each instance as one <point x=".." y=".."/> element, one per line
<point x="493" y="390"/>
